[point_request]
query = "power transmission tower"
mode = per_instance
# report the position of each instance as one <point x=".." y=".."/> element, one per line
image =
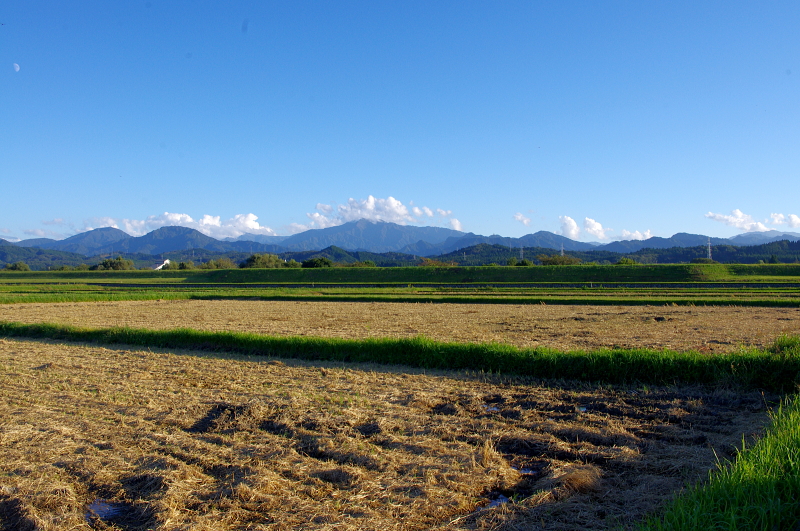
<point x="709" y="248"/>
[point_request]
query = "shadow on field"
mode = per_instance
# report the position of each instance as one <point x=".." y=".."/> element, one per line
<point x="13" y="517"/>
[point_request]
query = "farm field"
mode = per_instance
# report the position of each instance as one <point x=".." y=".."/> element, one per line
<point x="130" y="438"/>
<point x="119" y="438"/>
<point x="563" y="327"/>
<point x="699" y="285"/>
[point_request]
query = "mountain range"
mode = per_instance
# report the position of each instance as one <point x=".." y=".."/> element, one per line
<point x="363" y="236"/>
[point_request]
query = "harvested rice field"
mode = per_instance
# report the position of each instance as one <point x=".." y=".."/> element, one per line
<point x="98" y="438"/>
<point x="564" y="327"/>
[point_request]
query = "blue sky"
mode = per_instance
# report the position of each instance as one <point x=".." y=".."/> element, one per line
<point x="599" y="120"/>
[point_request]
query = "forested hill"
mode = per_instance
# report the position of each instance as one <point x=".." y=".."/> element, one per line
<point x="483" y="254"/>
<point x="476" y="255"/>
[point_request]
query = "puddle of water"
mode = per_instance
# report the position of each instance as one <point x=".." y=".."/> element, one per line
<point x="103" y="510"/>
<point x="500" y="500"/>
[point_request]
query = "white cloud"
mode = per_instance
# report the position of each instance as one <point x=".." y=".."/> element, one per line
<point x="39" y="233"/>
<point x="372" y="208"/>
<point x="455" y="224"/>
<point x="569" y="228"/>
<point x="595" y="228"/>
<point x="740" y="220"/>
<point x="636" y="235"/>
<point x="209" y="225"/>
<point x="326" y="209"/>
<point x="420" y="212"/>
<point x="792" y="220"/>
<point x="522" y="219"/>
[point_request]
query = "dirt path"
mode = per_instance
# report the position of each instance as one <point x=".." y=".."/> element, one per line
<point x="713" y="329"/>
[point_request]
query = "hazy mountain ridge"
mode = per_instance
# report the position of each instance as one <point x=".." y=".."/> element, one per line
<point x="364" y="236"/>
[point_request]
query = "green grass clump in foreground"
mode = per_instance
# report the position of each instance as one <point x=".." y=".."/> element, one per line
<point x="776" y="370"/>
<point x="759" y="491"/>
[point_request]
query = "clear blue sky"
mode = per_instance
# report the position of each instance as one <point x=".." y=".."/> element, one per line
<point x="506" y="117"/>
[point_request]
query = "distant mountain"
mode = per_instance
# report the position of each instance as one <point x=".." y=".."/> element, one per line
<point x="90" y="243"/>
<point x="680" y="239"/>
<point x="542" y="239"/>
<point x="757" y="238"/>
<point x="374" y="236"/>
<point x="41" y="243"/>
<point x="37" y="259"/>
<point x="167" y="239"/>
<point x="364" y="236"/>
<point x="259" y="238"/>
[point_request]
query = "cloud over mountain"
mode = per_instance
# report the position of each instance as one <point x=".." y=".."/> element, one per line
<point x="740" y="220"/>
<point x="792" y="220"/>
<point x="595" y="228"/>
<point x="636" y="235"/>
<point x="522" y="218"/>
<point x="372" y="209"/>
<point x="209" y="225"/>
<point x="569" y="228"/>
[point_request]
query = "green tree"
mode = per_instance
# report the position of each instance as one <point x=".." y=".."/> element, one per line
<point x="114" y="264"/>
<point x="557" y="259"/>
<point x="220" y="263"/>
<point x="626" y="261"/>
<point x="363" y="263"/>
<point x="187" y="265"/>
<point x="432" y="262"/>
<point x="320" y="261"/>
<point x="262" y="261"/>
<point x="18" y="266"/>
<point x="524" y="263"/>
<point x="511" y="261"/>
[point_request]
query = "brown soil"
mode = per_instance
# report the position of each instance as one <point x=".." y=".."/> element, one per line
<point x="174" y="441"/>
<point x="715" y="329"/>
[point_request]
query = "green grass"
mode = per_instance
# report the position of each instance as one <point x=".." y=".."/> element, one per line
<point x="405" y="275"/>
<point x="760" y="491"/>
<point x="38" y="290"/>
<point x="776" y="369"/>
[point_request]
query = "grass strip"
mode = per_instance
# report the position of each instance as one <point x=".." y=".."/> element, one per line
<point x="759" y="491"/>
<point x="607" y="300"/>
<point x="776" y="369"/>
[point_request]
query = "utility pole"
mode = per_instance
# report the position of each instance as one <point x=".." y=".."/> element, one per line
<point x="709" y="248"/>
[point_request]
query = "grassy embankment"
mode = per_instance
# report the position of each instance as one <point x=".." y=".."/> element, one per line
<point x="457" y="275"/>
<point x="776" y="369"/>
<point x="758" y="491"/>
<point x="597" y="285"/>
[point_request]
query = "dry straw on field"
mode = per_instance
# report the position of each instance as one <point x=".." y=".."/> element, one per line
<point x="708" y="329"/>
<point x="181" y="441"/>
